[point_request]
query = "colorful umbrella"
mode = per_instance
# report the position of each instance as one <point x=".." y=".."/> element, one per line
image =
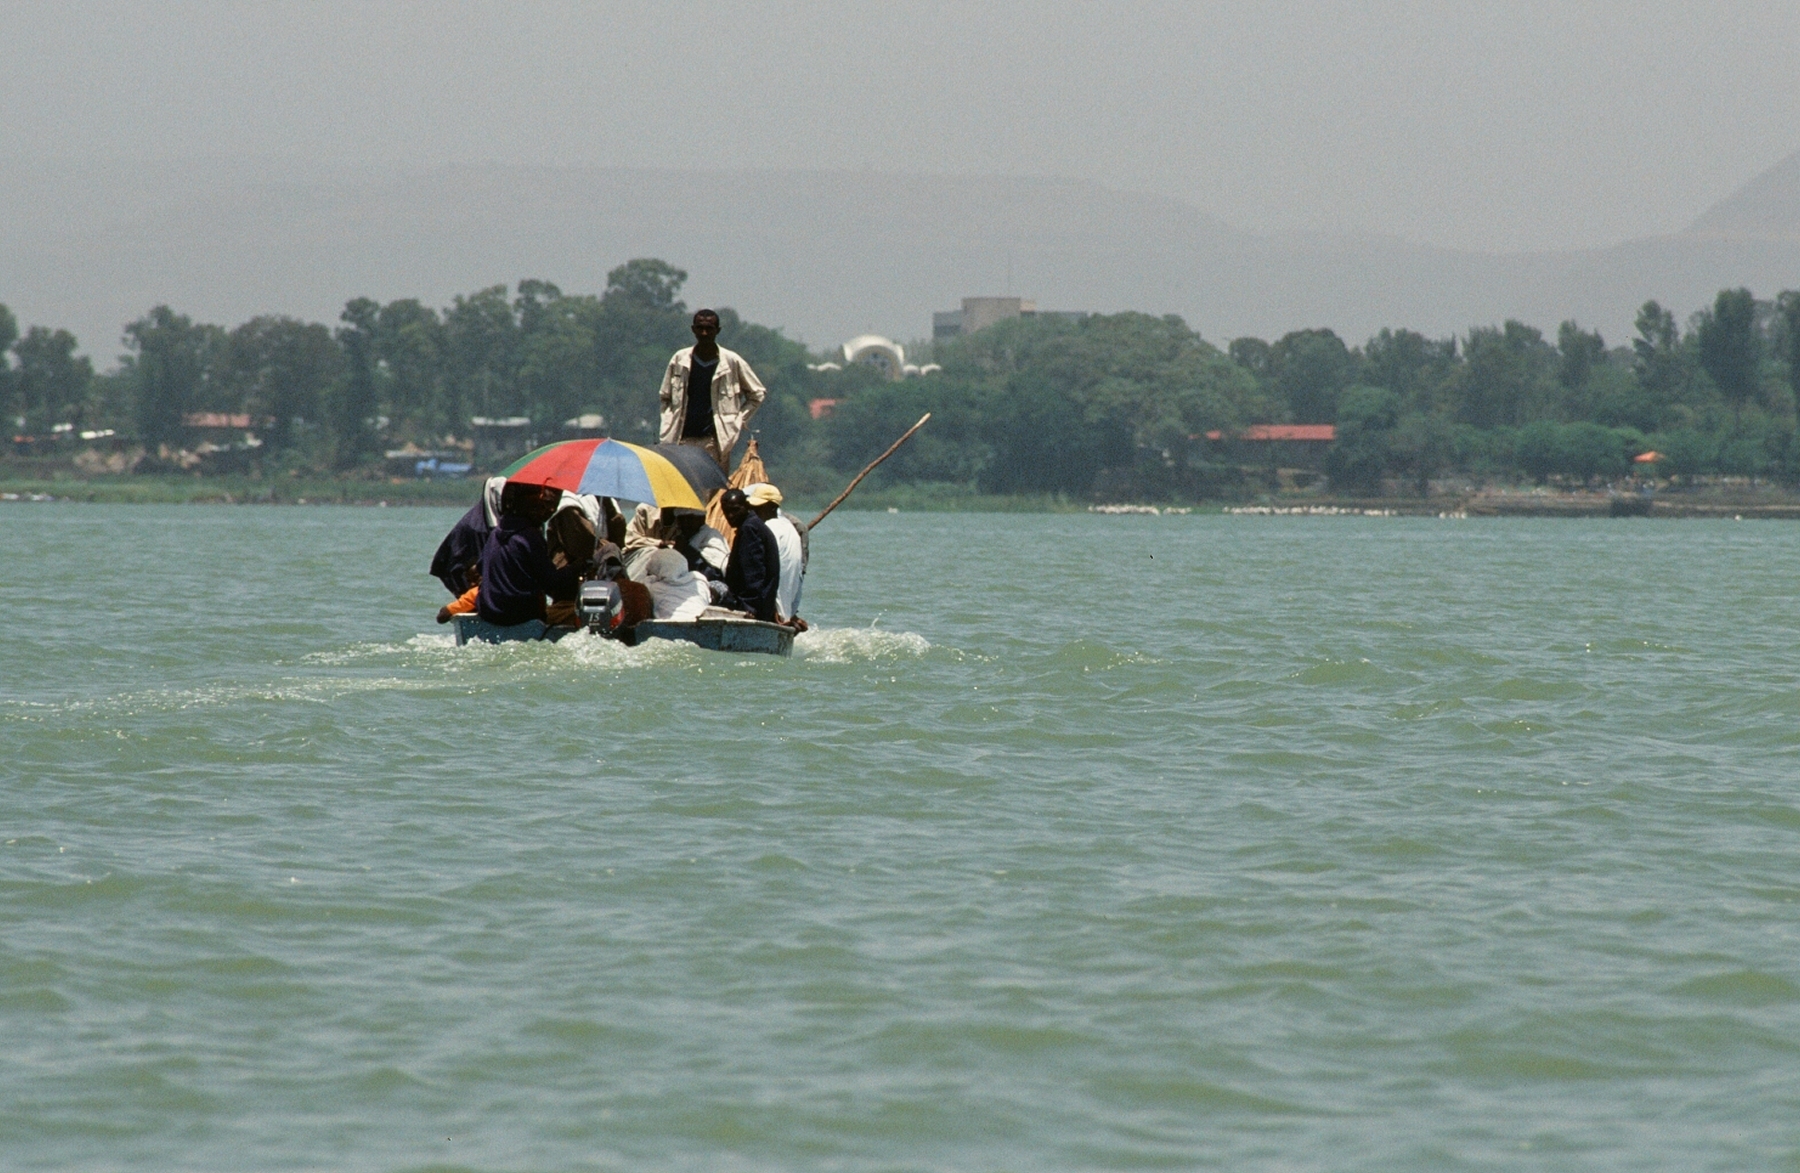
<point x="607" y="468"/>
<point x="701" y="470"/>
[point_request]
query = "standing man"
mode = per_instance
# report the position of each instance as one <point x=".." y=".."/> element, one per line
<point x="708" y="393"/>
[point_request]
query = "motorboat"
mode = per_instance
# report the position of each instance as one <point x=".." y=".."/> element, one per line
<point x="717" y="630"/>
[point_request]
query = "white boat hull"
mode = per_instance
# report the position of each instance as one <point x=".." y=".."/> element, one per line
<point x="713" y="633"/>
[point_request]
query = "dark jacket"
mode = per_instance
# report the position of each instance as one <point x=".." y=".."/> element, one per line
<point x="754" y="572"/>
<point x="516" y="574"/>
<point x="460" y="548"/>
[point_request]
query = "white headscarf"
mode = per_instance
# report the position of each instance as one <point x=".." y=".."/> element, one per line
<point x="490" y="499"/>
<point x="676" y="591"/>
<point x="589" y="506"/>
<point x="643" y="537"/>
<point x="709" y="543"/>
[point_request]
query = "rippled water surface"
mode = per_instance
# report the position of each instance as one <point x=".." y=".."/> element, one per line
<point x="1064" y="843"/>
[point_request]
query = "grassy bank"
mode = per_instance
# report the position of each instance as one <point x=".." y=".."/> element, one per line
<point x="229" y="490"/>
<point x="1716" y="500"/>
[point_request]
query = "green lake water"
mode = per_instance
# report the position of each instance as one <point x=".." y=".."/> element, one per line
<point x="1065" y="842"/>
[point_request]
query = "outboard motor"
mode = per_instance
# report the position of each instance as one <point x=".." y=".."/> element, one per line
<point x="600" y="605"/>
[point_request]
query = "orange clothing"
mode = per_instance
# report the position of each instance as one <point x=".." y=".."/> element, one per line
<point x="464" y="604"/>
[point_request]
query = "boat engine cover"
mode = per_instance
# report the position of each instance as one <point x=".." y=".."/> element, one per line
<point x="599" y="604"/>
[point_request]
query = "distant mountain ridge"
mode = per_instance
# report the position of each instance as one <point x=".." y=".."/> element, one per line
<point x="824" y="254"/>
<point x="1765" y="209"/>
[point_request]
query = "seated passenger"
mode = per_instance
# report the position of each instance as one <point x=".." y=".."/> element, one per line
<point x="674" y="528"/>
<point x="754" y="573"/>
<point x="790" y="541"/>
<point x="643" y="537"/>
<point x="573" y="531"/>
<point x="612" y="521"/>
<point x="461" y="547"/>
<point x="516" y="570"/>
<point x="464" y="603"/>
<point x="608" y="562"/>
<point x="703" y="546"/>
<point x="675" y="591"/>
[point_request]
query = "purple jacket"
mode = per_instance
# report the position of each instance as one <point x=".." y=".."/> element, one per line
<point x="516" y="574"/>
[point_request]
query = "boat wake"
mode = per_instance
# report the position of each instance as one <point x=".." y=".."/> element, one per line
<point x="849" y="645"/>
<point x="437" y="649"/>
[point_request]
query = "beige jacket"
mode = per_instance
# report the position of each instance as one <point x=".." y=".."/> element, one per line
<point x="736" y="394"/>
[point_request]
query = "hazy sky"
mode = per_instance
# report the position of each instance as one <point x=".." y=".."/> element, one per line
<point x="1487" y="126"/>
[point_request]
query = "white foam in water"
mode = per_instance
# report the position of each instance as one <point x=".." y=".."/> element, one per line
<point x="596" y="652"/>
<point x="318" y="690"/>
<point x="357" y="653"/>
<point x="843" y="645"/>
<point x="579" y="649"/>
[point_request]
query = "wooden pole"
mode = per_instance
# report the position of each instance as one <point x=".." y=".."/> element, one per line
<point x="865" y="472"/>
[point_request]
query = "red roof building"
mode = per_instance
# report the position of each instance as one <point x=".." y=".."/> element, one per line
<point x="1303" y="433"/>
<point x="1300" y="446"/>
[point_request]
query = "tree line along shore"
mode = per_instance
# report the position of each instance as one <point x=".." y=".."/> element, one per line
<point x="1031" y="412"/>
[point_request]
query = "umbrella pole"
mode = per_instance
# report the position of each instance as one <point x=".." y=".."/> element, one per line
<point x="865" y="472"/>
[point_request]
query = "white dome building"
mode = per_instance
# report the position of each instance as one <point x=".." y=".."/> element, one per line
<point x="884" y="354"/>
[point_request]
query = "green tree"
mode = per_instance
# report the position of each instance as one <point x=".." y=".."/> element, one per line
<point x="355" y="400"/>
<point x="1586" y="450"/>
<point x="1666" y="370"/>
<point x="170" y="365"/>
<point x="1254" y="355"/>
<point x="1311" y="368"/>
<point x="1505" y="379"/>
<point x="1579" y="352"/>
<point x="1538" y="449"/>
<point x="1656" y="332"/>
<point x="1047" y="432"/>
<point x="648" y="282"/>
<point x="1367" y="419"/>
<point x="533" y="303"/>
<point x="1421" y="446"/>
<point x="9" y="334"/>
<point x="1687" y="452"/>
<point x="481" y="334"/>
<point x="559" y="368"/>
<point x="284" y="369"/>
<point x="642" y="322"/>
<point x="1105" y="404"/>
<point x="953" y="449"/>
<point x="410" y="346"/>
<point x="1416" y="368"/>
<point x="1120" y="392"/>
<point x="52" y="382"/>
<point x="1787" y="318"/>
<point x="1730" y="347"/>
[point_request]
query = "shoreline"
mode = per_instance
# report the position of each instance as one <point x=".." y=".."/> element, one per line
<point x="1707" y="502"/>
